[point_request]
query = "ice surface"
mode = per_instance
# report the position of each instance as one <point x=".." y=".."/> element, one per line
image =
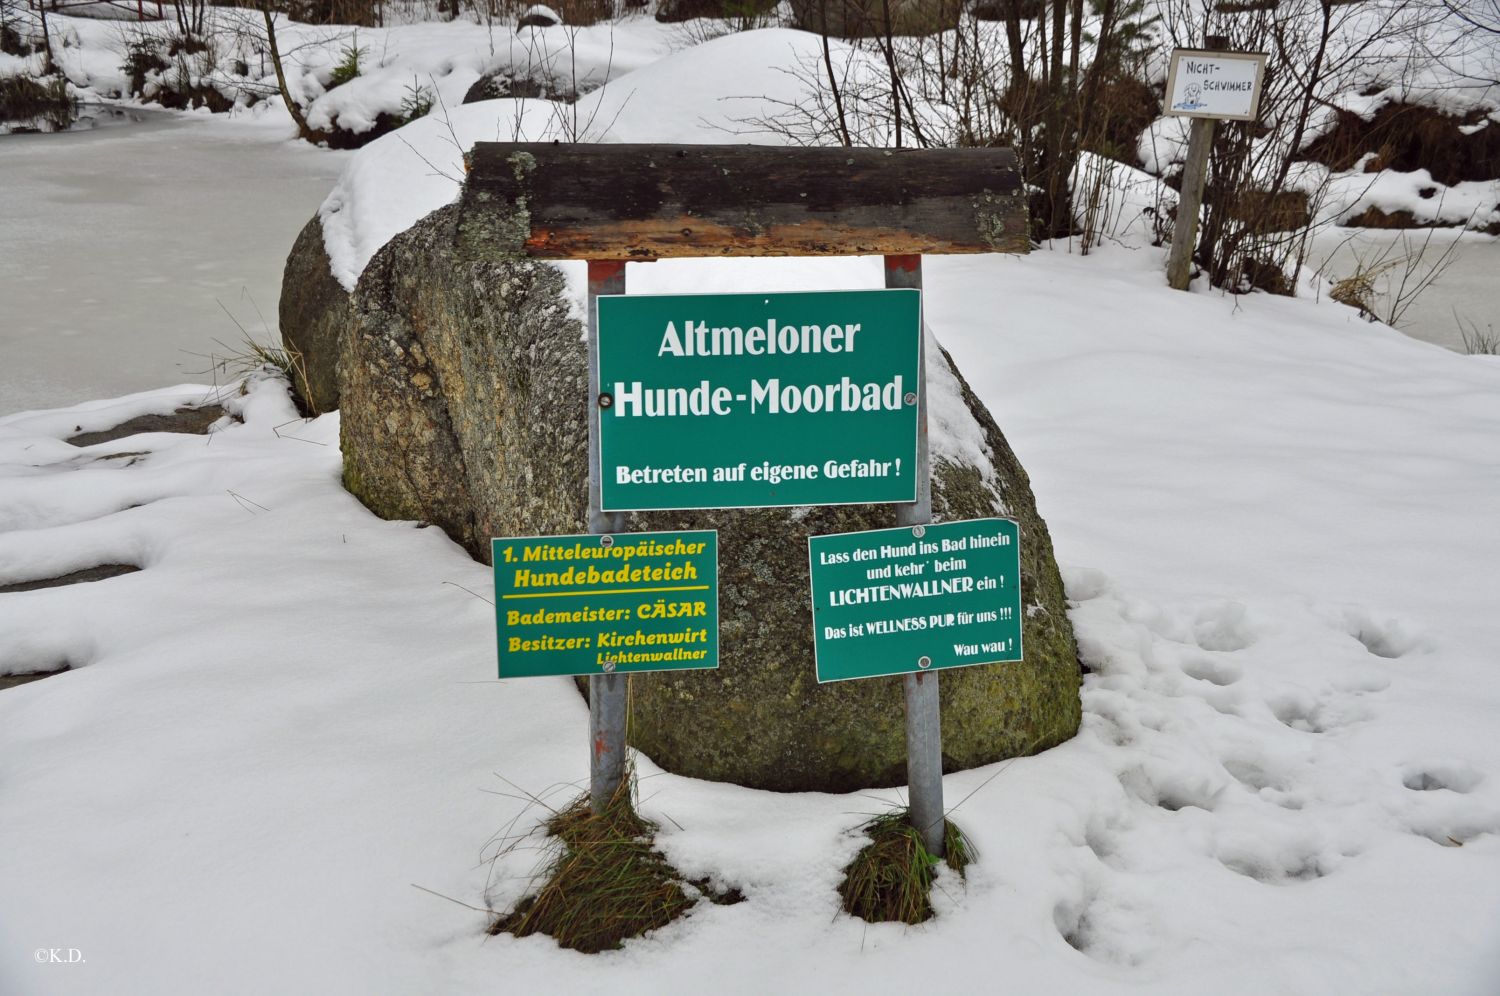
<point x="118" y="247"/>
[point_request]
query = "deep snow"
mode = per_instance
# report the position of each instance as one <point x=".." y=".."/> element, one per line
<point x="1274" y="523"/>
<point x="1270" y="517"/>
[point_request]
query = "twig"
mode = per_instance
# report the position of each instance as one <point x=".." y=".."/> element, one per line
<point x="470" y="591"/>
<point x="460" y="902"/>
<point x="243" y="501"/>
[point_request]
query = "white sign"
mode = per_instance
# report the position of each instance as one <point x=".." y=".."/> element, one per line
<point x="1215" y="84"/>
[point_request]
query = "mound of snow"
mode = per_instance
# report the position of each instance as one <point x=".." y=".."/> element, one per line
<point x="399" y="178"/>
<point x="1271" y="519"/>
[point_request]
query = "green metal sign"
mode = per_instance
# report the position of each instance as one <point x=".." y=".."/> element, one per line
<point x="917" y="598"/>
<point x="758" y="400"/>
<point x="573" y="605"/>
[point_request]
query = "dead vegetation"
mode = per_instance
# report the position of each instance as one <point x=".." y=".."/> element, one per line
<point x="606" y="882"/>
<point x="892" y="877"/>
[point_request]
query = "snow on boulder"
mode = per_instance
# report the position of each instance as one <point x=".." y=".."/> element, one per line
<point x="396" y="180"/>
<point x="538" y="16"/>
<point x="399" y="178"/>
<point x="387" y="186"/>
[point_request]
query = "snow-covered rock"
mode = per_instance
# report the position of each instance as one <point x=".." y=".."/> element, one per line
<point x="463" y="403"/>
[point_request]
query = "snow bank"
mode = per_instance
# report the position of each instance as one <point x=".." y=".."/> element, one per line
<point x="1270" y="515"/>
<point x="436" y="61"/>
<point x="1475" y="204"/>
<point x="399" y="178"/>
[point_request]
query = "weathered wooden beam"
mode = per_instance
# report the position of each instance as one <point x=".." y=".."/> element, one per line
<point x="641" y="202"/>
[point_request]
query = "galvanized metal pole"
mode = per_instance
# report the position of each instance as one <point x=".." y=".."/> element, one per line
<point x="1189" y="202"/>
<point x="924" y="730"/>
<point x="609" y="693"/>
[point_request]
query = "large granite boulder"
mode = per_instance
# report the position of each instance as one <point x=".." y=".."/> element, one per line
<point x="313" y="312"/>
<point x="463" y="393"/>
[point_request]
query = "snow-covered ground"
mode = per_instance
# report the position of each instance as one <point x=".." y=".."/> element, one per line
<point x="1274" y="520"/>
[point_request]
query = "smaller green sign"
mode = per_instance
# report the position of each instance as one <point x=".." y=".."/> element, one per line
<point x="574" y="605"/>
<point x="916" y="598"/>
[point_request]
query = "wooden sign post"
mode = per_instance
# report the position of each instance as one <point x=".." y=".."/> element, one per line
<point x="1206" y="86"/>
<point x="609" y="204"/>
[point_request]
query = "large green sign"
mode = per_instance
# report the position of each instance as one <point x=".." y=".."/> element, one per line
<point x="569" y="605"/>
<point x="756" y="400"/>
<point x="917" y="598"/>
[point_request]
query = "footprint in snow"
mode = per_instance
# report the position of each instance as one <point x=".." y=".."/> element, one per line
<point x="1388" y="637"/>
<point x="1306" y="713"/>
<point x="1262" y="782"/>
<point x="1217" y="672"/>
<point x="1456" y="776"/>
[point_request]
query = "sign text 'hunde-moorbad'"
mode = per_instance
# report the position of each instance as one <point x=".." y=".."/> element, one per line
<point x="756" y="400"/>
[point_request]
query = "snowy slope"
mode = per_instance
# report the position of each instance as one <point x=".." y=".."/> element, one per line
<point x="1275" y="524"/>
<point x="1271" y="516"/>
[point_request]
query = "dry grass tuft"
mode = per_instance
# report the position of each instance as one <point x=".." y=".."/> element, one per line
<point x="891" y="878"/>
<point x="606" y="885"/>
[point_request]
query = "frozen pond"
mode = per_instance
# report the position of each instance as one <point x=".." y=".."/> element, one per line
<point x="1466" y="289"/>
<point x="118" y="244"/>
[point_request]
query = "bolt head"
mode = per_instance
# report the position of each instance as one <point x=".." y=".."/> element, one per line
<point x="911" y="397"/>
<point x="606" y="399"/>
<point x="924" y="662"/>
<point x="919" y="531"/>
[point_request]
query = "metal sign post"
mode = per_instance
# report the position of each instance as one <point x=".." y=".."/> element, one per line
<point x="551" y="201"/>
<point x="924" y="728"/>
<point x="609" y="693"/>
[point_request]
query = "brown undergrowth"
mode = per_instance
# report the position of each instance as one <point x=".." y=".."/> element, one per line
<point x="607" y="882"/>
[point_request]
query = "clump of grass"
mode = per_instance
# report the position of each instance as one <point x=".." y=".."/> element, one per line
<point x="37" y="104"/>
<point x="1355" y="290"/>
<point x="1478" y="341"/>
<point x="250" y="356"/>
<point x="891" y="878"/>
<point x="606" y="884"/>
